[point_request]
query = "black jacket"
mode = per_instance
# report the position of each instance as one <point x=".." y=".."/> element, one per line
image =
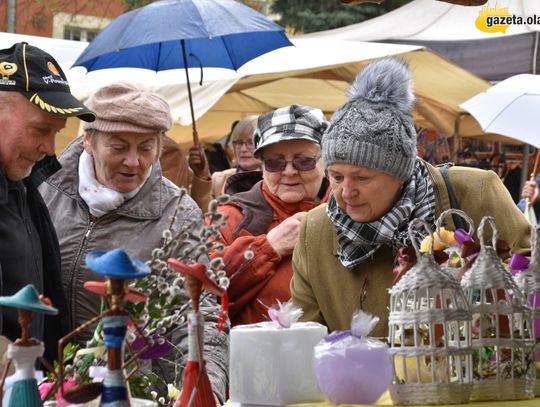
<point x="29" y="254"/>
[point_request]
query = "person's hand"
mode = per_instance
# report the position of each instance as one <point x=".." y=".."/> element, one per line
<point x="530" y="192"/>
<point x="197" y="162"/>
<point x="284" y="236"/>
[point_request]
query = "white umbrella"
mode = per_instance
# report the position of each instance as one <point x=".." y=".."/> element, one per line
<point x="510" y="108"/>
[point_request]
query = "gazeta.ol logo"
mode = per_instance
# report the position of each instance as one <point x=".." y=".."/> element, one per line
<point x="495" y="19"/>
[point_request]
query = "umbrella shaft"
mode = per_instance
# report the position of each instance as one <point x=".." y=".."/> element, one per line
<point x="193" y="125"/>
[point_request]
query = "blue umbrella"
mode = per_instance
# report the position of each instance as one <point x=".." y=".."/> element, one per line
<point x="173" y="34"/>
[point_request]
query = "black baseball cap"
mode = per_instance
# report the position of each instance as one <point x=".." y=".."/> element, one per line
<point x="37" y="76"/>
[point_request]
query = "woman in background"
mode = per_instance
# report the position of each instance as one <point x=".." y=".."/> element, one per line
<point x="242" y="141"/>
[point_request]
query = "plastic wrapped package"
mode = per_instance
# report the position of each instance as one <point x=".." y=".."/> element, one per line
<point x="352" y="368"/>
<point x="271" y="363"/>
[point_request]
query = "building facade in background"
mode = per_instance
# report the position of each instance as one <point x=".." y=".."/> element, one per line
<point x="67" y="19"/>
<point x="77" y="20"/>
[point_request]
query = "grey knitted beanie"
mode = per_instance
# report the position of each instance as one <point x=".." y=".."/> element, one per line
<point x="375" y="128"/>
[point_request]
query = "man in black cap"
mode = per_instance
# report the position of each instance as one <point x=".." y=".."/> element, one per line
<point x="35" y="102"/>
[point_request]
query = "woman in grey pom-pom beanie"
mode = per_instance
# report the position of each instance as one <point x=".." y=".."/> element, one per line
<point x="347" y="248"/>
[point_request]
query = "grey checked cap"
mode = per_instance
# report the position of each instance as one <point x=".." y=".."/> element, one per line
<point x="294" y="122"/>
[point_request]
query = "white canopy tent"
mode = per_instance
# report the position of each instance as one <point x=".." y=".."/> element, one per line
<point x="316" y="72"/>
<point x="307" y="56"/>
<point x="431" y="20"/>
<point x="451" y="31"/>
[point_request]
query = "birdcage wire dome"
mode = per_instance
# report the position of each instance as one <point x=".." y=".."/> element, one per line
<point x="528" y="282"/>
<point x="430" y="341"/>
<point x="502" y="338"/>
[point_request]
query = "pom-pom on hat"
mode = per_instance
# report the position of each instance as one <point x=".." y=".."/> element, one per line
<point x="116" y="264"/>
<point x="128" y="107"/>
<point x="375" y="128"/>
<point x="294" y="122"/>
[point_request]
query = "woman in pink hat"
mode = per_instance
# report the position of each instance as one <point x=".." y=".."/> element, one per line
<point x="111" y="193"/>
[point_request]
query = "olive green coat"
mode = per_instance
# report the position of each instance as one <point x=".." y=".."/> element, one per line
<point x="329" y="293"/>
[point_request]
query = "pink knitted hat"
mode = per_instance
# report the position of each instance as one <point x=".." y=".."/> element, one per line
<point x="126" y="107"/>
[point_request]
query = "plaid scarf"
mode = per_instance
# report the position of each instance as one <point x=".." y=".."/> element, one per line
<point x="358" y="241"/>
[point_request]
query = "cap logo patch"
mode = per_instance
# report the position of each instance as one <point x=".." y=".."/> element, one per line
<point x="51" y="79"/>
<point x="53" y="68"/>
<point x="6" y="70"/>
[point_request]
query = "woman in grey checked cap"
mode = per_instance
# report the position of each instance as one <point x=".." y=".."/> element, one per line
<point x="265" y="217"/>
<point x="347" y="248"/>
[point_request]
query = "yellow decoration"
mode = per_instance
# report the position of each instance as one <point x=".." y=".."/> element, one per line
<point x="455" y="260"/>
<point x="172" y="392"/>
<point x="412" y="369"/>
<point x="446" y="235"/>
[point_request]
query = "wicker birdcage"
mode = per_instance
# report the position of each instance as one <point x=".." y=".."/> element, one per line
<point x="528" y="282"/>
<point x="430" y="340"/>
<point x="502" y="338"/>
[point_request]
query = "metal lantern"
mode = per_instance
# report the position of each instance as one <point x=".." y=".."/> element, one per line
<point x="502" y="337"/>
<point x="430" y="340"/>
<point x="528" y="282"/>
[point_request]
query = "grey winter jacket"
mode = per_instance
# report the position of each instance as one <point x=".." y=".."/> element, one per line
<point x="136" y="226"/>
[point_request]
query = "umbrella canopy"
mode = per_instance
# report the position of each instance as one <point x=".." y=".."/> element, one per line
<point x="510" y="108"/>
<point x="217" y="33"/>
<point x="171" y="34"/>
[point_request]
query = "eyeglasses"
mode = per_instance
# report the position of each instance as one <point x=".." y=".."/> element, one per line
<point x="240" y="143"/>
<point x="298" y="163"/>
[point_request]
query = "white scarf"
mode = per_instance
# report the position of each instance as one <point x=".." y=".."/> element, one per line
<point x="99" y="198"/>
